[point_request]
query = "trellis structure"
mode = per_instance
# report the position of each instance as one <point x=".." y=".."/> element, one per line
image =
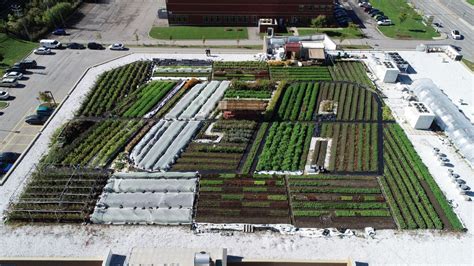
<point x="60" y="195"/>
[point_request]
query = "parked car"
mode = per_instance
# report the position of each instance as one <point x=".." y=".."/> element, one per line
<point x="76" y="46"/>
<point x="52" y="44"/>
<point x="42" y="51"/>
<point x="9" y="82"/>
<point x="7" y="159"/>
<point x="59" y="32"/>
<point x="95" y="46"/>
<point x="36" y="119"/>
<point x="26" y="63"/>
<point x="4" y="95"/>
<point x="386" y="22"/>
<point x="13" y="74"/>
<point x="15" y="69"/>
<point x="456" y="35"/>
<point x="380" y="18"/>
<point x="45" y="110"/>
<point x="117" y="46"/>
<point x="377" y="14"/>
<point x="373" y="10"/>
<point x="367" y="9"/>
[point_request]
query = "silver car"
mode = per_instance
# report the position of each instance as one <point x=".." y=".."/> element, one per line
<point x="4" y="95"/>
<point x="13" y="74"/>
<point x="42" y="51"/>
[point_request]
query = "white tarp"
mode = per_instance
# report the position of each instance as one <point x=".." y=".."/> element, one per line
<point x="148" y="200"/>
<point x="151" y="185"/>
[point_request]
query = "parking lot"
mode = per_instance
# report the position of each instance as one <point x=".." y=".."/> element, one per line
<point x="56" y="73"/>
<point x="114" y="21"/>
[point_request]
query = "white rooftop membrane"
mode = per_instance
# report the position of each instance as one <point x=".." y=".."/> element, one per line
<point x="146" y="175"/>
<point x="173" y="216"/>
<point x="456" y="125"/>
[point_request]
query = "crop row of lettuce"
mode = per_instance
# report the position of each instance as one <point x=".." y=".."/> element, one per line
<point x="353" y="71"/>
<point x="285" y="147"/>
<point x="148" y="97"/>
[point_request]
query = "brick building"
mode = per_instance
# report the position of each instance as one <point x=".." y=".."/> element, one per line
<point x="245" y="12"/>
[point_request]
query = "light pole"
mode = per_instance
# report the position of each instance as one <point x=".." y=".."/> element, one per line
<point x="52" y="97"/>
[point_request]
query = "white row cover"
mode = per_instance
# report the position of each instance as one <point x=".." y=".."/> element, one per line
<point x="177" y="146"/>
<point x="162" y="144"/>
<point x="165" y="175"/>
<point x="147" y="200"/>
<point x="199" y="101"/>
<point x="139" y="216"/>
<point x="185" y="101"/>
<point x="212" y="101"/>
<point x="150" y="185"/>
<point x="456" y="125"/>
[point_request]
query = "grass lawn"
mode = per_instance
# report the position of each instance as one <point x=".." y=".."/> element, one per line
<point x="468" y="63"/>
<point x="3" y="105"/>
<point x="198" y="33"/>
<point x="13" y="50"/>
<point x="346" y="33"/>
<point x="411" y="28"/>
<point x="355" y="47"/>
<point x="471" y="2"/>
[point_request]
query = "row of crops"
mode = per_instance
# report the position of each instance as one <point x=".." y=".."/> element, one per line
<point x="298" y="102"/>
<point x="182" y="72"/>
<point x="242" y="70"/>
<point x="325" y="200"/>
<point x="354" y="146"/>
<point x="415" y="197"/>
<point x="306" y="201"/>
<point x="114" y="87"/>
<point x="59" y="195"/>
<point x="309" y="73"/>
<point x="210" y="153"/>
<point x="352" y="71"/>
<point x="90" y="143"/>
<point x="286" y="147"/>
<point x="243" y="199"/>
<point x="260" y="89"/>
<point x="303" y="101"/>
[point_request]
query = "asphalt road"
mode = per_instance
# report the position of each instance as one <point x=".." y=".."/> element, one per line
<point x="58" y="73"/>
<point x="452" y="14"/>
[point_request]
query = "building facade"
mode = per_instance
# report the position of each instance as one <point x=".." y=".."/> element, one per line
<point x="245" y="12"/>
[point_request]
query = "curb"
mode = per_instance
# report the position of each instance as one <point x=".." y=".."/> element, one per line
<point x="23" y="154"/>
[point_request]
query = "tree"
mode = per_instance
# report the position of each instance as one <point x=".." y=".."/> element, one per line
<point x="319" y="22"/>
<point x="45" y="97"/>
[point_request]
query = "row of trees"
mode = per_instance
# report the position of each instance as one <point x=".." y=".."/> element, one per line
<point x="36" y="17"/>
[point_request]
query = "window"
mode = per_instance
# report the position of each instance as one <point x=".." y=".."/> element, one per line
<point x="300" y="8"/>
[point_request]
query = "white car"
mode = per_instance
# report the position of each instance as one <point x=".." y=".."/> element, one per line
<point x="386" y="22"/>
<point x="117" y="46"/>
<point x="456" y="35"/>
<point x="42" y="51"/>
<point x="4" y="95"/>
<point x="13" y="74"/>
